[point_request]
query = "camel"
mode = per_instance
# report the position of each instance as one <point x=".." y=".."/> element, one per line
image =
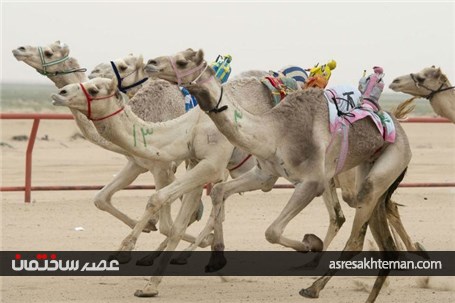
<point x="189" y="137"/>
<point x="54" y="62"/>
<point x="291" y="140"/>
<point x="432" y="84"/>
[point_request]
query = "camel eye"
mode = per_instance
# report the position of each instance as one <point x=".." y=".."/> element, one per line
<point x="123" y="68"/>
<point x="93" y="91"/>
<point x="48" y="54"/>
<point x="182" y="63"/>
<point x="420" y="78"/>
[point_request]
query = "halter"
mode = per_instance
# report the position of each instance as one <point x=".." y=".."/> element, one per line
<point x="89" y="105"/>
<point x="433" y="92"/>
<point x="180" y="75"/>
<point x="45" y="64"/>
<point x="121" y="88"/>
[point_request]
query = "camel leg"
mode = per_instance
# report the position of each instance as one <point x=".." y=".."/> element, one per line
<point x="162" y="179"/>
<point x="336" y="219"/>
<point x="122" y="179"/>
<point x="346" y="182"/>
<point x="178" y="228"/>
<point x="304" y="193"/>
<point x="335" y="213"/>
<point x="254" y="179"/>
<point x="206" y="171"/>
<point x="380" y="230"/>
<point x="385" y="171"/>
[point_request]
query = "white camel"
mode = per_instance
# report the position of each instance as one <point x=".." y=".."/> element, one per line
<point x="432" y="84"/>
<point x="292" y="141"/>
<point x="54" y="62"/>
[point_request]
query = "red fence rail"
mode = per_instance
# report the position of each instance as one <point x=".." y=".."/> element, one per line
<point x="37" y="117"/>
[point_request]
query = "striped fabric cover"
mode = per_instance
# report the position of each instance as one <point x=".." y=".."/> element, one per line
<point x="295" y="72"/>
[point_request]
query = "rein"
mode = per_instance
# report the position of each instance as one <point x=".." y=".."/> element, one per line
<point x="217" y="109"/>
<point x="45" y="64"/>
<point x="433" y="92"/>
<point x="121" y="88"/>
<point x="89" y="105"/>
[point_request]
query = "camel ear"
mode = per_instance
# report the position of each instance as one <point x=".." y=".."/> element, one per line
<point x="433" y="66"/>
<point x="181" y="61"/>
<point x="65" y="49"/>
<point x="199" y="57"/>
<point x="140" y="61"/>
<point x="93" y="91"/>
<point x="436" y="74"/>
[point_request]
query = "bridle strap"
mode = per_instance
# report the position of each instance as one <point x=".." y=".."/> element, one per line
<point x="45" y="64"/>
<point x="122" y="88"/>
<point x="180" y="75"/>
<point x="433" y="92"/>
<point x="89" y="99"/>
<point x="218" y="109"/>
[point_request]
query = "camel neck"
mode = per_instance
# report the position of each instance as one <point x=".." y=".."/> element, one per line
<point x="235" y="122"/>
<point x="443" y="103"/>
<point x="86" y="126"/>
<point x="161" y="141"/>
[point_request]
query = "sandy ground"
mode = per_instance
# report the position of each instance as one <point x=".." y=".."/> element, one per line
<point x="48" y="224"/>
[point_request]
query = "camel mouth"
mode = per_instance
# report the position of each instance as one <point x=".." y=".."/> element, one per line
<point x="19" y="55"/>
<point x="150" y="70"/>
<point x="58" y="100"/>
<point x="393" y="86"/>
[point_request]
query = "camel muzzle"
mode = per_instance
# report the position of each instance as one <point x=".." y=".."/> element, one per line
<point x="58" y="100"/>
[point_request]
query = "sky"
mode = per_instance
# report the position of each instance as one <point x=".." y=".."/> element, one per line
<point x="401" y="37"/>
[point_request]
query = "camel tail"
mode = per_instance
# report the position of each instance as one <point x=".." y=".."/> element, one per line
<point x="404" y="108"/>
<point x="393" y="187"/>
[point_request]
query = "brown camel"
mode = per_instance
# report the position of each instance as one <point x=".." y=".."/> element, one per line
<point x="291" y="141"/>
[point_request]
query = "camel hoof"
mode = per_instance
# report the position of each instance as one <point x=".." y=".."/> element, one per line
<point x="308" y="293"/>
<point x="142" y="294"/>
<point x="122" y="257"/>
<point x="146" y="261"/>
<point x="311" y="264"/>
<point x="421" y="251"/>
<point x="151" y="226"/>
<point x="217" y="261"/>
<point x="179" y="261"/>
<point x="313" y="242"/>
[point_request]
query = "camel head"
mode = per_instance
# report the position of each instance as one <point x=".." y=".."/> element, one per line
<point x="129" y="72"/>
<point x="46" y="58"/>
<point x="184" y="67"/>
<point x="95" y="101"/>
<point x="420" y="84"/>
<point x="102" y="70"/>
<point x="127" y="66"/>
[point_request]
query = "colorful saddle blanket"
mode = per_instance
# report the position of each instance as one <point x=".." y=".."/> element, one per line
<point x="295" y="72"/>
<point x="280" y="87"/>
<point x="345" y="108"/>
<point x="190" y="101"/>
